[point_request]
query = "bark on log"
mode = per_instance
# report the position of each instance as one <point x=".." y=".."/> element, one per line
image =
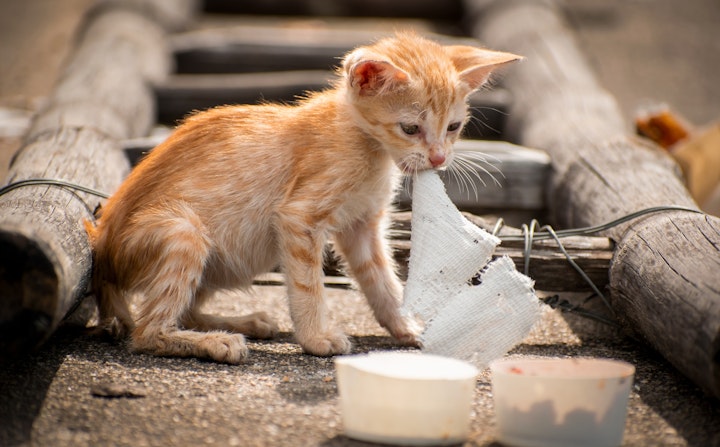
<point x="103" y="96"/>
<point x="664" y="278"/>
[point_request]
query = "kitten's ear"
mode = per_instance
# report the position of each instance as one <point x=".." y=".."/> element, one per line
<point x="476" y="64"/>
<point x="372" y="77"/>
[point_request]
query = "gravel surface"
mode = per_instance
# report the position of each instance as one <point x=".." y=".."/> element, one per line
<point x="83" y="390"/>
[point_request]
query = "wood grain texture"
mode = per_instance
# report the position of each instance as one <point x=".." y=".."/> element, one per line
<point x="663" y="279"/>
<point x="102" y="96"/>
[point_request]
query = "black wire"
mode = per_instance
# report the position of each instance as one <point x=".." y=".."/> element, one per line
<point x="51" y="182"/>
<point x="584" y="231"/>
<point x="529" y="235"/>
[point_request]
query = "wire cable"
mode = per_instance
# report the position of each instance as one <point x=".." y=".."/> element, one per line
<point x="52" y="182"/>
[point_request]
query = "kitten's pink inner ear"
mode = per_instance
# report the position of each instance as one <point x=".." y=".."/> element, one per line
<point x="372" y="77"/>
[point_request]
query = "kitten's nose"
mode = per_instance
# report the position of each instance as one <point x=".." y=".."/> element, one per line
<point x="437" y="158"/>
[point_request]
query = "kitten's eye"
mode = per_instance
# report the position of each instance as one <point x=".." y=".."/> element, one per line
<point x="453" y="127"/>
<point x="410" y="129"/>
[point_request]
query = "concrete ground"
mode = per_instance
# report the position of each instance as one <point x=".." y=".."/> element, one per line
<point x="78" y="390"/>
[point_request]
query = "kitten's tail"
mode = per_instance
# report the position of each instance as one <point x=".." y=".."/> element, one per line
<point x="114" y="316"/>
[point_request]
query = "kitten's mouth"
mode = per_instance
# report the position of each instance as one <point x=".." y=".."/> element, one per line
<point x="413" y="164"/>
<point x="411" y="167"/>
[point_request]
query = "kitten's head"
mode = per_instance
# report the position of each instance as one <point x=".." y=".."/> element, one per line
<point x="410" y="94"/>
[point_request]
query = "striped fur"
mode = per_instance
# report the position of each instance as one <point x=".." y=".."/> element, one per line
<point x="238" y="190"/>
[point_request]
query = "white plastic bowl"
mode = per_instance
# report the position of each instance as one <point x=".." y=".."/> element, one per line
<point x="561" y="402"/>
<point x="405" y="397"/>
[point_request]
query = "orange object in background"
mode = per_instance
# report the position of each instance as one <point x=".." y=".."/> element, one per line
<point x="697" y="151"/>
<point x="662" y="126"/>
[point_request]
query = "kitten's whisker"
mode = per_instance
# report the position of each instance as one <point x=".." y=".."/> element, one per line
<point x="481" y="156"/>
<point x="464" y="178"/>
<point x="407" y="183"/>
<point x="475" y="120"/>
<point x="476" y="161"/>
<point x="464" y="170"/>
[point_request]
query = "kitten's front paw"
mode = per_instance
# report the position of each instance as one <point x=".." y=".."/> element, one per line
<point x="222" y="347"/>
<point x="408" y="339"/>
<point x="407" y="332"/>
<point x="327" y="344"/>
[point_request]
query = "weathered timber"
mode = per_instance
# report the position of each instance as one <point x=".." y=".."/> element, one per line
<point x="44" y="254"/>
<point x="183" y="93"/>
<point x="102" y="96"/>
<point x="663" y="278"/>
<point x="248" y="63"/>
<point x="497" y="176"/>
<point x="548" y="266"/>
<point x="249" y="48"/>
<point x="432" y="9"/>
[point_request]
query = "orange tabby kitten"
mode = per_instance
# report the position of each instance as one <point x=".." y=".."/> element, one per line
<point x="238" y="190"/>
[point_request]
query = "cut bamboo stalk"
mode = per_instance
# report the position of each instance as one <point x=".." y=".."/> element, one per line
<point x="663" y="278"/>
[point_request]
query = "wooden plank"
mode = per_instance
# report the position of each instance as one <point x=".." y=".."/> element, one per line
<point x="304" y="50"/>
<point x="260" y="48"/>
<point x="183" y="93"/>
<point x="512" y="178"/>
<point x="549" y="268"/>
<point x="244" y="49"/>
<point x="101" y="97"/>
<point x="432" y="9"/>
<point x="664" y="278"/>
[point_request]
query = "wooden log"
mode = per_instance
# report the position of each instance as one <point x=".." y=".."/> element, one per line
<point x="172" y="16"/>
<point x="101" y="97"/>
<point x="663" y="278"/>
<point x="44" y="254"/>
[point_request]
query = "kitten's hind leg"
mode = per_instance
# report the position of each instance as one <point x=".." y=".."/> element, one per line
<point x="257" y="325"/>
<point x="176" y="251"/>
<point x="113" y="311"/>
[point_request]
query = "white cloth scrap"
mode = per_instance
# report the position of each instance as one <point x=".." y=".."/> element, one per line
<point x="477" y="323"/>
